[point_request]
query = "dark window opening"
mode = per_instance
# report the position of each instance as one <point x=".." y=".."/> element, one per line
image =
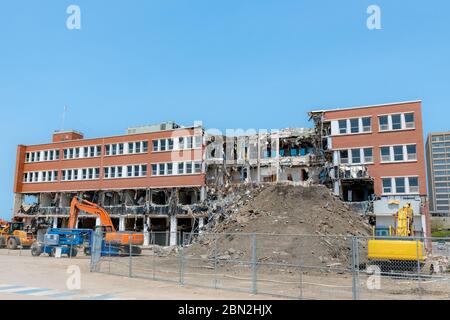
<point x="159" y="198"/>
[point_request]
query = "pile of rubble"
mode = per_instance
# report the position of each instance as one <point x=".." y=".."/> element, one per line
<point x="161" y="251"/>
<point x="440" y="264"/>
<point x="294" y="224"/>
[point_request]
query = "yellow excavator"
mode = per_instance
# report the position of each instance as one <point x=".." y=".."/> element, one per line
<point x="399" y="250"/>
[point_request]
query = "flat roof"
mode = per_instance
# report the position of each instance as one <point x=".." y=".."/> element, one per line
<point x="430" y="134"/>
<point x="368" y="106"/>
<point x="109" y="137"/>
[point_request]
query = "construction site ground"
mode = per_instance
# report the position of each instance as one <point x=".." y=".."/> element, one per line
<point x="156" y="277"/>
<point x="280" y="241"/>
<point x="29" y="273"/>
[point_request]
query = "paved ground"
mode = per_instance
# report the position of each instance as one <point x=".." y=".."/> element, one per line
<point x="26" y="277"/>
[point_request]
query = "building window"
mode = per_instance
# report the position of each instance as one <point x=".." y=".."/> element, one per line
<point x="198" y="167"/>
<point x="162" y="145"/>
<point x="367" y="124"/>
<point x="120" y="149"/>
<point x="42" y="156"/>
<point x="169" y="168"/>
<point x="90" y="173"/>
<point x="113" y="150"/>
<point x="343" y="154"/>
<point x="155" y="145"/>
<point x="162" y="169"/>
<point x="343" y="126"/>
<point x="411" y="150"/>
<point x="385" y="154"/>
<point x="197" y="141"/>
<point x="97" y="151"/>
<point x="387" y="185"/>
<point x="413" y="184"/>
<point x="356" y="156"/>
<point x="181" y="143"/>
<point x="189" y="142"/>
<point x="169" y="144"/>
<point x="181" y="168"/>
<point x="154" y="170"/>
<point x="354" y="125"/>
<point x="409" y="120"/>
<point x="396" y="122"/>
<point x="398" y="153"/>
<point x="400" y="185"/>
<point x="188" y="167"/>
<point x="145" y="146"/>
<point x="368" y="155"/>
<point x="384" y="124"/>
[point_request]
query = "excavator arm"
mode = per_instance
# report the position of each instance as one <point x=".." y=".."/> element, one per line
<point x="111" y="235"/>
<point x="79" y="204"/>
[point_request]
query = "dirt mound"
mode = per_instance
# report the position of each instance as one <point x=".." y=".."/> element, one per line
<point x="295" y="224"/>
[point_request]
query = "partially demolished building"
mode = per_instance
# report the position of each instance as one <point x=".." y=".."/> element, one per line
<point x="158" y="178"/>
<point x="374" y="156"/>
<point x="150" y="179"/>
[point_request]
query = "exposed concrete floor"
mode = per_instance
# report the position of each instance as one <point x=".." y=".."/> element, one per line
<point x="51" y="273"/>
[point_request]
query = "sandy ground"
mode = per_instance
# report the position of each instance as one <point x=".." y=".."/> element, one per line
<point x="157" y="277"/>
<point x="49" y="273"/>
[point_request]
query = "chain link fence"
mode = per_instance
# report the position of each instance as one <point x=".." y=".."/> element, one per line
<point x="292" y="266"/>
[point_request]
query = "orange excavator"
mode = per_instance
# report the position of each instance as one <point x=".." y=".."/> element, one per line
<point x="122" y="239"/>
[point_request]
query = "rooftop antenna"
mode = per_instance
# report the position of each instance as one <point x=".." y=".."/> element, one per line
<point x="64" y="117"/>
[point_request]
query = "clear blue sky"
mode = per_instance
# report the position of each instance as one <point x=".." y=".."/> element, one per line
<point x="229" y="63"/>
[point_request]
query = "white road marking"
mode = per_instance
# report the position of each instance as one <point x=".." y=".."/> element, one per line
<point x="14" y="290"/>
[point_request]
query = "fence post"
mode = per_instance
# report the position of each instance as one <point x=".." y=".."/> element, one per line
<point x="254" y="265"/>
<point x="181" y="264"/>
<point x="215" y="261"/>
<point x="301" y="282"/>
<point x="154" y="257"/>
<point x="355" y="269"/>
<point x="418" y="270"/>
<point x="130" y="263"/>
<point x="110" y="258"/>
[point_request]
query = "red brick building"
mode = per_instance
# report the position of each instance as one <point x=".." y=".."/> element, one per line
<point x="377" y="153"/>
<point x="135" y="176"/>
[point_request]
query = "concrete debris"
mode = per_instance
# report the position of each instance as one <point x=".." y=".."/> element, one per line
<point x="271" y="210"/>
<point x="441" y="264"/>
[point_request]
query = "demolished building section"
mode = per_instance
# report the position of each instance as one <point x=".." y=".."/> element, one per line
<point x="349" y="179"/>
<point x="266" y="157"/>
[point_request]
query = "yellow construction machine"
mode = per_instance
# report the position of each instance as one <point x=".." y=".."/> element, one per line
<point x="13" y="234"/>
<point x="398" y="250"/>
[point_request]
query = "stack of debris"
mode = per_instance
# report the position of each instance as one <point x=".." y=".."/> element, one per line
<point x="441" y="264"/>
<point x="295" y="225"/>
